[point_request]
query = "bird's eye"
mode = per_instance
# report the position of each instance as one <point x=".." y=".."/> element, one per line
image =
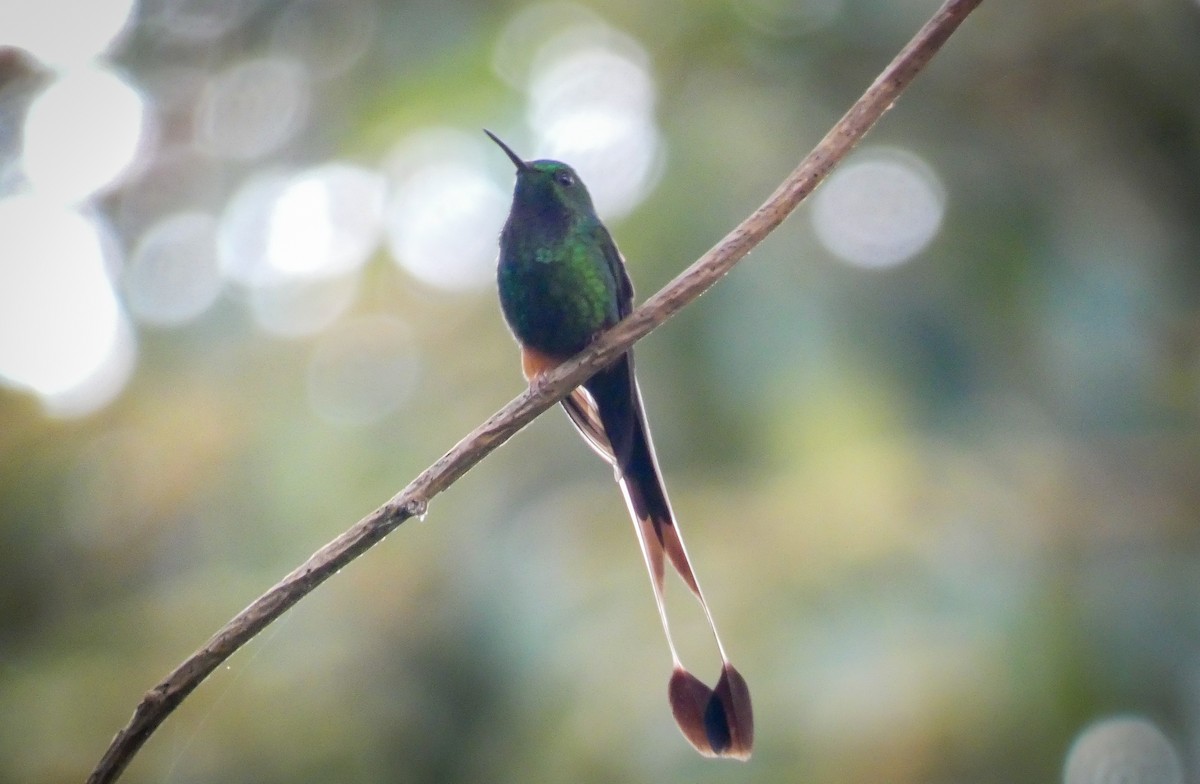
<point x="564" y="178"/>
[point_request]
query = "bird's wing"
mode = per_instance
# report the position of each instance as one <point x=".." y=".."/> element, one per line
<point x="615" y="263"/>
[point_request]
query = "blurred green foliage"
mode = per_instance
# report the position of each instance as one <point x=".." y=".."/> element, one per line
<point x="946" y="513"/>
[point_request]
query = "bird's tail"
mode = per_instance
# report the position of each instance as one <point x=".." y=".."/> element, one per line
<point x="608" y="412"/>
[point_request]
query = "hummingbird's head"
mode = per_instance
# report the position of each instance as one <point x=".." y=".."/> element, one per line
<point x="547" y="186"/>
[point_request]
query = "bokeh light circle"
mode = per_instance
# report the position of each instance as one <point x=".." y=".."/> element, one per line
<point x="63" y="334"/>
<point x="172" y="275"/>
<point x="83" y="134"/>
<point x="879" y="209"/>
<point x="64" y="33"/>
<point x="326" y="221"/>
<point x="251" y="109"/>
<point x="1122" y="750"/>
<point x="591" y="103"/>
<point x="316" y="223"/>
<point x="444" y="218"/>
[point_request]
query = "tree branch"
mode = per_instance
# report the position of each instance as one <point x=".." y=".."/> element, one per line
<point x="412" y="501"/>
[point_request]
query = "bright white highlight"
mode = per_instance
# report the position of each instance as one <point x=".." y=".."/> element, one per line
<point x="591" y="100"/>
<point x="879" y="209"/>
<point x="1122" y="750"/>
<point x="63" y="33"/>
<point x="297" y="241"/>
<point x="318" y="223"/>
<point x="327" y="221"/>
<point x="62" y="333"/>
<point x="82" y="134"/>
<point x="445" y="215"/>
<point x="591" y="103"/>
<point x="244" y="233"/>
<point x="589" y="67"/>
<point x="299" y="234"/>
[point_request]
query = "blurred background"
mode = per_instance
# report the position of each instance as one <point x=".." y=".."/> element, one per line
<point x="935" y="444"/>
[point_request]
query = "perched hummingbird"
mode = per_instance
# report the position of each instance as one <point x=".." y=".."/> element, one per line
<point x="562" y="281"/>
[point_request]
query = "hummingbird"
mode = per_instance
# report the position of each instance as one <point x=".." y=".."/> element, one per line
<point x="562" y="282"/>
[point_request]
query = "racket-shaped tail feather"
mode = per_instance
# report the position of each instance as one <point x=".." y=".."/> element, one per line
<point x="717" y="722"/>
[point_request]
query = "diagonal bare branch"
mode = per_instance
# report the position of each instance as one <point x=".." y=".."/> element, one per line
<point x="160" y="701"/>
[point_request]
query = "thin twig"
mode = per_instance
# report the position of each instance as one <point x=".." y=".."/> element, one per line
<point x="412" y="501"/>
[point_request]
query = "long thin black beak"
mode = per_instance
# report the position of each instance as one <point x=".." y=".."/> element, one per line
<point x="521" y="165"/>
